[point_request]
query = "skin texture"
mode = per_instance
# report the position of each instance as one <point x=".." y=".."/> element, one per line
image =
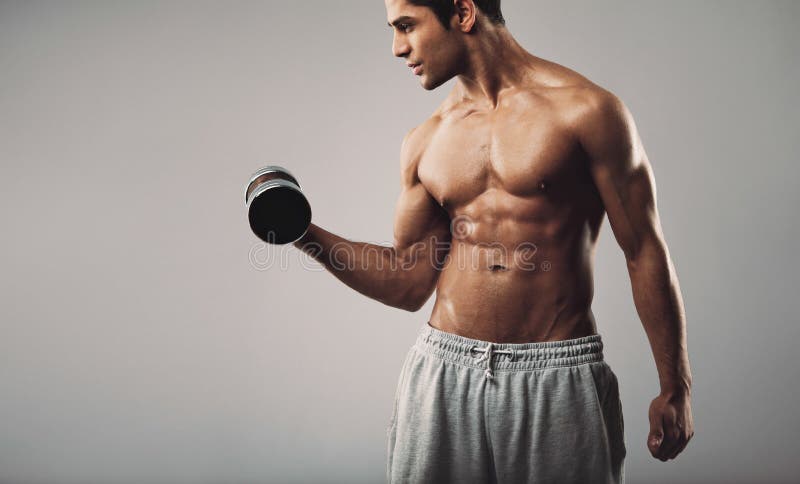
<point x="503" y="192"/>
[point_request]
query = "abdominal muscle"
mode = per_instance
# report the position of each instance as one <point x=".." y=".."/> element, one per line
<point x="514" y="292"/>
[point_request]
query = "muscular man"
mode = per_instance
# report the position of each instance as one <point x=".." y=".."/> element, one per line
<point x="503" y="194"/>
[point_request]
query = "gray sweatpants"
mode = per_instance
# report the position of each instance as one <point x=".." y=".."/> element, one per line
<point x="471" y="411"/>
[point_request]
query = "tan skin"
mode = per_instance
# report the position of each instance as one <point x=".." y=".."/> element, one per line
<point x="503" y="192"/>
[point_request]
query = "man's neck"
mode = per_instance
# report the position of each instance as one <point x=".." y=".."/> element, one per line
<point x="495" y="62"/>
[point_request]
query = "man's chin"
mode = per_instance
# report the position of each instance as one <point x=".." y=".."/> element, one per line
<point x="429" y="85"/>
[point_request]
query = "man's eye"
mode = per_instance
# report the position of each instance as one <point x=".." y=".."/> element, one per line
<point x="403" y="27"/>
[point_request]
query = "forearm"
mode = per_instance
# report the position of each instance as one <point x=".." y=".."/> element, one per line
<point x="376" y="271"/>
<point x="659" y="303"/>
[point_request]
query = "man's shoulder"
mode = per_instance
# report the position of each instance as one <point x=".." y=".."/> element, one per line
<point x="413" y="146"/>
<point x="589" y="107"/>
<point x="566" y="89"/>
<point x="417" y="137"/>
<point x="578" y="101"/>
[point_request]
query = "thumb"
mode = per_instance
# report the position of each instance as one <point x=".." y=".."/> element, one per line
<point x="656" y="436"/>
<point x="654" y="440"/>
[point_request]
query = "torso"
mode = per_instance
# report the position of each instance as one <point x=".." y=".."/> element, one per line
<point x="525" y="213"/>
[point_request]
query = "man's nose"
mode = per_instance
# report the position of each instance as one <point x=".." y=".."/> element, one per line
<point x="399" y="46"/>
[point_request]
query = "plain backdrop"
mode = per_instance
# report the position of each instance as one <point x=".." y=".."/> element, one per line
<point x="147" y="336"/>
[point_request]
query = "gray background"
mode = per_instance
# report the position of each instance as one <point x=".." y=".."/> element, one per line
<point x="145" y="340"/>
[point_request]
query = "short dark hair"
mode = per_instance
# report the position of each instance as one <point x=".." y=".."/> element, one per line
<point x="445" y="9"/>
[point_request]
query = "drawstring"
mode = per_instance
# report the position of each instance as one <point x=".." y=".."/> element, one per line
<point x="488" y="352"/>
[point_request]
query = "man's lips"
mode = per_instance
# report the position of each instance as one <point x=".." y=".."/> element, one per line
<point x="414" y="67"/>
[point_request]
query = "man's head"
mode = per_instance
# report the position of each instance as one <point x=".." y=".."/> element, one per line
<point x="445" y="9"/>
<point x="432" y="33"/>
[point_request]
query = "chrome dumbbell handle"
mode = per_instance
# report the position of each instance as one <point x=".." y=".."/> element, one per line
<point x="265" y="171"/>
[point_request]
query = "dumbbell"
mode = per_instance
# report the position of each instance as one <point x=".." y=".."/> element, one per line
<point x="278" y="211"/>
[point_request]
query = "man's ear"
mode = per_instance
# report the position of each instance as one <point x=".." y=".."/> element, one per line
<point x="466" y="12"/>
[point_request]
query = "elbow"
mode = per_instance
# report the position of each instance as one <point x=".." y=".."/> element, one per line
<point x="411" y="307"/>
<point x="649" y="251"/>
<point x="412" y="303"/>
<point x="413" y="299"/>
<point x="412" y="289"/>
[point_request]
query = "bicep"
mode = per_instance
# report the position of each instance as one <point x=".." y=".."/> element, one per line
<point x="622" y="174"/>
<point x="419" y="221"/>
<point x="417" y="217"/>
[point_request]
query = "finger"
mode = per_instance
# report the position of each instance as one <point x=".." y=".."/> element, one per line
<point x="685" y="438"/>
<point x="667" y="444"/>
<point x="671" y="439"/>
<point x="671" y="443"/>
<point x="679" y="448"/>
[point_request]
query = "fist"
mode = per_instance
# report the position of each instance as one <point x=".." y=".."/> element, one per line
<point x="671" y="425"/>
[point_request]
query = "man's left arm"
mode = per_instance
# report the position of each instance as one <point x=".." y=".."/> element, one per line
<point x="624" y="180"/>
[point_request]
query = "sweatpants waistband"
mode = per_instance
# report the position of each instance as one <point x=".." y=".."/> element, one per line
<point x="508" y="356"/>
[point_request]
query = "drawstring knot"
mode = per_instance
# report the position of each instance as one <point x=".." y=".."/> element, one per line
<point x="488" y="352"/>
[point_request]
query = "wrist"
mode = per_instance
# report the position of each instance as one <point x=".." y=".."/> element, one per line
<point x="677" y="389"/>
<point x="304" y="239"/>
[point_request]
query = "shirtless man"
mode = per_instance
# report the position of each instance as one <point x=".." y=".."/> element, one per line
<point x="503" y="194"/>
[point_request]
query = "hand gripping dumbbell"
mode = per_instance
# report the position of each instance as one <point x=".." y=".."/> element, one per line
<point x="278" y="211"/>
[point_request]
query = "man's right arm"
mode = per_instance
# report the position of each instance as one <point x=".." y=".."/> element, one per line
<point x="405" y="274"/>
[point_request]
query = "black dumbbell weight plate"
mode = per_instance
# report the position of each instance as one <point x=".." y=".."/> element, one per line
<point x="278" y="211"/>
